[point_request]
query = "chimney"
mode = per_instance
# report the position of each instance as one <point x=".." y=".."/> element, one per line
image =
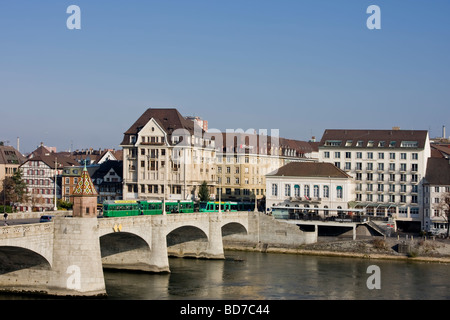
<point x="443" y="132"/>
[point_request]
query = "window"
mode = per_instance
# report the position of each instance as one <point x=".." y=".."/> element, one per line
<point x="359" y="155"/>
<point x="274" y="189"/>
<point x="316" y="191"/>
<point x="381" y="154"/>
<point x="337" y="154"/>
<point x="339" y="193"/>
<point x="326" y="192"/>
<point x="306" y="191"/>
<point x="392" y="155"/>
<point x="297" y="190"/>
<point x="369" y="155"/>
<point x="326" y="154"/>
<point x="348" y="155"/>
<point x="287" y="190"/>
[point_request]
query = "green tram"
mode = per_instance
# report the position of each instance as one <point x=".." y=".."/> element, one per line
<point x="213" y="206"/>
<point x="123" y="208"/>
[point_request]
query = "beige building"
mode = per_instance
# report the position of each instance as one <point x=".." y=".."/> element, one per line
<point x="10" y="161"/>
<point x="166" y="155"/>
<point x="244" y="159"/>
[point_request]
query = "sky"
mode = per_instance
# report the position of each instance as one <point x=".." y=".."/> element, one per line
<point x="296" y="66"/>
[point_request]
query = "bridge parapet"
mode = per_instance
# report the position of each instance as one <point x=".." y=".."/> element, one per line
<point x="21" y="231"/>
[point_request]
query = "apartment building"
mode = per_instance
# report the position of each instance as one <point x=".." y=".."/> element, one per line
<point x="388" y="167"/>
<point x="436" y="196"/>
<point x="166" y="155"/>
<point x="40" y="173"/>
<point x="10" y="161"/>
<point x="107" y="179"/>
<point x="244" y="159"/>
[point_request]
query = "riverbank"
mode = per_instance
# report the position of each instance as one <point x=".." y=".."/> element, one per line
<point x="423" y="250"/>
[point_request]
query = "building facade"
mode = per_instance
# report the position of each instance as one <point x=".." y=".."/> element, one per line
<point x="10" y="161"/>
<point x="40" y="173"/>
<point x="388" y="167"/>
<point x="107" y="179"/>
<point x="166" y="156"/>
<point x="244" y="159"/>
<point x="316" y="186"/>
<point x="436" y="196"/>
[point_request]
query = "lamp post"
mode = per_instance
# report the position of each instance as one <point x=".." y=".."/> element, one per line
<point x="55" y="208"/>
<point x="220" y="193"/>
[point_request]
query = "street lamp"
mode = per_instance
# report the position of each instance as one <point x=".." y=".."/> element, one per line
<point x="55" y="208"/>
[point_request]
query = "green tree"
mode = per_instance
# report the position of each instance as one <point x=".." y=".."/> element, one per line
<point x="15" y="188"/>
<point x="203" y="192"/>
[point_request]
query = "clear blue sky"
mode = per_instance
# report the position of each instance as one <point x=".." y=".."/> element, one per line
<point x="297" y="66"/>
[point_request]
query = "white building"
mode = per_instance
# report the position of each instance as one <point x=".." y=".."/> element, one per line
<point x="317" y="186"/>
<point x="388" y="167"/>
<point x="436" y="196"/>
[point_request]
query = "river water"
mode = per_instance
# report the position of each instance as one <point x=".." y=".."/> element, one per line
<point x="270" y="276"/>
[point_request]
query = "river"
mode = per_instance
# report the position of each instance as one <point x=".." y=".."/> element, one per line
<point x="271" y="276"/>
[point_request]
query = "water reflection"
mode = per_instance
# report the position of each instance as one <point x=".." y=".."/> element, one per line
<point x="258" y="276"/>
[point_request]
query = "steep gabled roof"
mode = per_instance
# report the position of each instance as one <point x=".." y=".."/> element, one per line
<point x="169" y="119"/>
<point x="49" y="160"/>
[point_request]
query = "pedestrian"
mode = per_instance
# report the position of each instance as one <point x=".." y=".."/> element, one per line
<point x="5" y="216"/>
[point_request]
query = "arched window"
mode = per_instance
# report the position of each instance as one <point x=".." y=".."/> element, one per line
<point x="297" y="190"/>
<point x="339" y="194"/>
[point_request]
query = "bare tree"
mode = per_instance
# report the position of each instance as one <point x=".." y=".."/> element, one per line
<point x="444" y="207"/>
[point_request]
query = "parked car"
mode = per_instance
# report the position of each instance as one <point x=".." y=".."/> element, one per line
<point x="46" y="219"/>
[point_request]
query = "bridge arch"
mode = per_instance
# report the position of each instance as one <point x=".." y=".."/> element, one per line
<point x="233" y="228"/>
<point x="124" y="250"/>
<point x="14" y="258"/>
<point x="186" y="234"/>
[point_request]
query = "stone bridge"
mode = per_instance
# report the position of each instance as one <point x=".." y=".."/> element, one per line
<point x="67" y="256"/>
